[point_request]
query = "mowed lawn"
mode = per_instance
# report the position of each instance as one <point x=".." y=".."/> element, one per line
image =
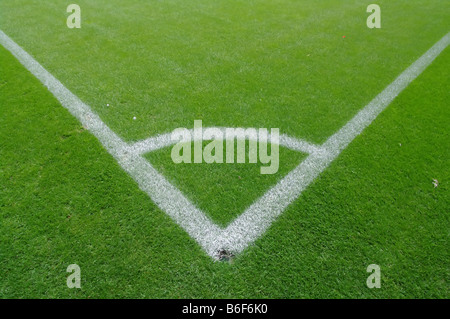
<point x="304" y="67"/>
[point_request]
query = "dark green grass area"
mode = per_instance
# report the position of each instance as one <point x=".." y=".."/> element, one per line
<point x="223" y="191"/>
<point x="64" y="200"/>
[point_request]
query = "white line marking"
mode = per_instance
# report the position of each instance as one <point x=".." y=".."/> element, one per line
<point x="246" y="228"/>
<point x="164" y="140"/>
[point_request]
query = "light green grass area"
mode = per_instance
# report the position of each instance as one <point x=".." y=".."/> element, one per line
<point x="284" y="64"/>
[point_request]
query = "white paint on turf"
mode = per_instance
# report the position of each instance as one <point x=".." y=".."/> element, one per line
<point x="164" y="140"/>
<point x="246" y="228"/>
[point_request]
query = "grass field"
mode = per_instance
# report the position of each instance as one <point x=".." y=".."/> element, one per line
<point x="305" y="67"/>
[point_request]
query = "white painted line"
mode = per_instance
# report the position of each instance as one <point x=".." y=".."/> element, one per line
<point x="69" y="100"/>
<point x="364" y="118"/>
<point x="164" y="140"/>
<point x="258" y="217"/>
<point x="300" y="145"/>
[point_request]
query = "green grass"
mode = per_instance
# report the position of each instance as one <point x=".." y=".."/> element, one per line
<point x="223" y="191"/>
<point x="229" y="62"/>
<point x="65" y="200"/>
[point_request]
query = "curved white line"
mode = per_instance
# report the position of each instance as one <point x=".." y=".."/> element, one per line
<point x="164" y="140"/>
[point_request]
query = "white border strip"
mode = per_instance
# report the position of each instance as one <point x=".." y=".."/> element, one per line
<point x="246" y="228"/>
